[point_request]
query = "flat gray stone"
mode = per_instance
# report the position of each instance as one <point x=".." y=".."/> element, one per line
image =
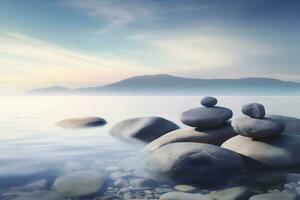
<point x="281" y="152"/>
<point x="185" y="188"/>
<point x="184" y="196"/>
<point x="235" y="193"/>
<point x="257" y="128"/>
<point x="210" y="136"/>
<point x="79" y="184"/>
<point x="189" y="163"/>
<point x="204" y="117"/>
<point x="39" y="195"/>
<point x="292" y="124"/>
<point x="275" y="196"/>
<point x="145" y="129"/>
<point x="209" y="101"/>
<point x="86" y="122"/>
<point x="254" y="110"/>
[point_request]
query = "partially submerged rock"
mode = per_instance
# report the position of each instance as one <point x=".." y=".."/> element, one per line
<point x="86" y="122"/>
<point x="39" y="195"/>
<point x="145" y="129"/>
<point x="280" y="152"/>
<point x="210" y="136"/>
<point x="78" y="184"/>
<point x="188" y="163"/>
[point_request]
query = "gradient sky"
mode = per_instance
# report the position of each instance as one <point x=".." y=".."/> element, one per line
<point x="78" y="43"/>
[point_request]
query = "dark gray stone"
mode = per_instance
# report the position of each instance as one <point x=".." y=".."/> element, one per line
<point x="145" y="129"/>
<point x="86" y="122"/>
<point x="210" y="136"/>
<point x="275" y="196"/>
<point x="204" y="117"/>
<point x="209" y="101"/>
<point x="292" y="124"/>
<point x="255" y="110"/>
<point x="189" y="163"/>
<point x="257" y="128"/>
<point x="281" y="152"/>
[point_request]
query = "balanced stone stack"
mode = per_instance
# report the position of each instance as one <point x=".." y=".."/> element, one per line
<point x="261" y="142"/>
<point x="208" y="124"/>
<point x="207" y="117"/>
<point x="255" y="125"/>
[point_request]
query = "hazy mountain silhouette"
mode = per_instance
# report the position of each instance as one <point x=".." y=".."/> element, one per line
<point x="163" y="84"/>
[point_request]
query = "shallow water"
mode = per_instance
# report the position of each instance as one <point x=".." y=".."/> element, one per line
<point x="33" y="148"/>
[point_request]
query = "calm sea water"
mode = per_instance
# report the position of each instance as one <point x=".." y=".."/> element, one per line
<point x="32" y="147"/>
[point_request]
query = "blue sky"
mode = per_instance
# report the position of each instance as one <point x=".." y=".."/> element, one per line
<point x="79" y="43"/>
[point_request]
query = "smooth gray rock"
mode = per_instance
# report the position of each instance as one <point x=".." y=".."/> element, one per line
<point x="145" y="129"/>
<point x="236" y="193"/>
<point x="275" y="196"/>
<point x="204" y="117"/>
<point x="189" y="163"/>
<point x="292" y="124"/>
<point x="257" y="128"/>
<point x="209" y="101"/>
<point x="143" y="182"/>
<point x="254" y="110"/>
<point x="79" y="184"/>
<point x="281" y="152"/>
<point x="39" y="195"/>
<point x="86" y="122"/>
<point x="184" y="196"/>
<point x="210" y="136"/>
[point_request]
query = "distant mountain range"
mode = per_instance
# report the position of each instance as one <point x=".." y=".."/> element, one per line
<point x="163" y="84"/>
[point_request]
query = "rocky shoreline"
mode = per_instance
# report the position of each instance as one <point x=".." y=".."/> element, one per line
<point x="251" y="157"/>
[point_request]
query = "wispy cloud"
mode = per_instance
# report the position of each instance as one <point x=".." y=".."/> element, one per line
<point x="26" y="61"/>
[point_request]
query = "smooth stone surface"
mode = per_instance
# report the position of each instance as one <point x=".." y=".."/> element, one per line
<point x="189" y="163"/>
<point x="39" y="195"/>
<point x="236" y="193"/>
<point x="204" y="117"/>
<point x="281" y="152"/>
<point x="78" y="184"/>
<point x="36" y="185"/>
<point x="257" y="128"/>
<point x="143" y="182"/>
<point x="145" y="129"/>
<point x="255" y="110"/>
<point x="292" y="125"/>
<point x="209" y="101"/>
<point x="86" y="122"/>
<point x="275" y="196"/>
<point x="184" y="196"/>
<point x="185" y="188"/>
<point x="210" y="136"/>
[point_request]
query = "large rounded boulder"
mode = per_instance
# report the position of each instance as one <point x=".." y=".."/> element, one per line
<point x="145" y="129"/>
<point x="292" y="124"/>
<point x="210" y="136"/>
<point x="193" y="163"/>
<point x="281" y="152"/>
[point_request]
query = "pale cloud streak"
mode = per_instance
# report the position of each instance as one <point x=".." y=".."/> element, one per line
<point x="27" y="62"/>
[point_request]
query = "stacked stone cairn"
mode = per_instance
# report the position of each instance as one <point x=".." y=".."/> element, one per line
<point x="255" y="125"/>
<point x="209" y="116"/>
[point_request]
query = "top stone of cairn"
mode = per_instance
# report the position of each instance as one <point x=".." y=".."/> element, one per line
<point x="254" y="110"/>
<point x="209" y="101"/>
